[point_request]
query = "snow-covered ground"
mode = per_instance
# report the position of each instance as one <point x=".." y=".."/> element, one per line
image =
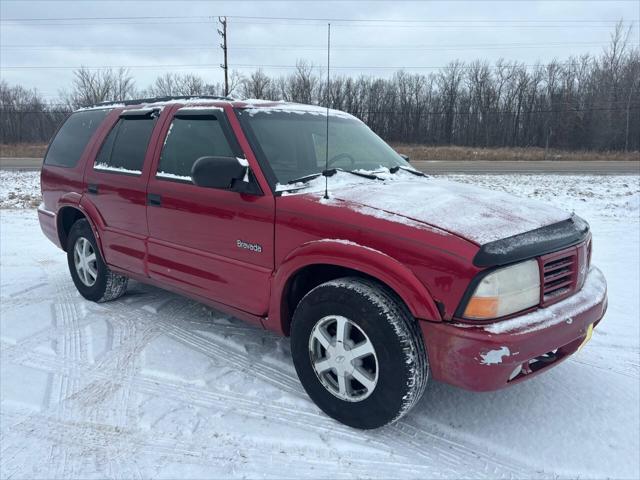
<point x="155" y="385"/>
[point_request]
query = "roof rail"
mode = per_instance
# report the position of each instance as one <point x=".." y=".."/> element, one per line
<point x="137" y="101"/>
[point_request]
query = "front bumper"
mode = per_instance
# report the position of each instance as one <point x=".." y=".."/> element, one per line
<point x="488" y="357"/>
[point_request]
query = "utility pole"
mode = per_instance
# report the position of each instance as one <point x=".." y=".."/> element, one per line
<point x="223" y="45"/>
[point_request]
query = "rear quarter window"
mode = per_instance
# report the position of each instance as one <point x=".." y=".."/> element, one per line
<point x="69" y="143"/>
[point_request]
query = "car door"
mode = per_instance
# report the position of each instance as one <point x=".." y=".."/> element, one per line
<point x="213" y="243"/>
<point x="116" y="185"/>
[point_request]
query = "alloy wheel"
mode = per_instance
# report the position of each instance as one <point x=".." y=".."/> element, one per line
<point x="343" y="358"/>
<point x="84" y="259"/>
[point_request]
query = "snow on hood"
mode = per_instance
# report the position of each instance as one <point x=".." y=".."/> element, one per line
<point x="477" y="214"/>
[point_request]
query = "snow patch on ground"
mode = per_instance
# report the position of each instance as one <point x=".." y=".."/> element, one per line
<point x="19" y="189"/>
<point x="587" y="195"/>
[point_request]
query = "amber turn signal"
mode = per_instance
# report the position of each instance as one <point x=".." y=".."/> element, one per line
<point x="482" y="308"/>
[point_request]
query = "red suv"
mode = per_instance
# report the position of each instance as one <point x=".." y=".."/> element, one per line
<point x="385" y="278"/>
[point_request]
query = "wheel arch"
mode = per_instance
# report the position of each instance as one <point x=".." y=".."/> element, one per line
<point x="69" y="212"/>
<point x="320" y="261"/>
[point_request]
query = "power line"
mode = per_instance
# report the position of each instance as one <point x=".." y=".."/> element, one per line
<point x="308" y="19"/>
<point x="279" y="66"/>
<point x="488" y="24"/>
<point x="441" y="47"/>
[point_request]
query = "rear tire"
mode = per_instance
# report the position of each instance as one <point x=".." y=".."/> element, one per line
<point x="90" y="274"/>
<point x="382" y="358"/>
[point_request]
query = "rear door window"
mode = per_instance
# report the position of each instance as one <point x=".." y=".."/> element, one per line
<point x="125" y="147"/>
<point x="72" y="138"/>
<point x="188" y="139"/>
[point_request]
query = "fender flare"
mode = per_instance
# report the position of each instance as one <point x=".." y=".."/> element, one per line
<point x="344" y="253"/>
<point x="87" y="209"/>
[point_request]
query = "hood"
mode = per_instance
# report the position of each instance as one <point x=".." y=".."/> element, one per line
<point x="476" y="214"/>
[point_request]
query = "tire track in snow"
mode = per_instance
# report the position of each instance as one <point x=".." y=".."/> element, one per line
<point x="413" y="444"/>
<point x="114" y="443"/>
<point x="632" y="370"/>
<point x="415" y="441"/>
<point x="73" y="349"/>
<point x="454" y="462"/>
<point x="408" y="441"/>
<point x="278" y="379"/>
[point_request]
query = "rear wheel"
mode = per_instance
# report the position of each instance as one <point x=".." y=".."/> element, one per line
<point x="90" y="274"/>
<point x="358" y="352"/>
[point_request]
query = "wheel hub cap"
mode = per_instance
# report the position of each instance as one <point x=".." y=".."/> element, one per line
<point x="343" y="358"/>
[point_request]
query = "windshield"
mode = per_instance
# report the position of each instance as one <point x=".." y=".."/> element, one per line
<point x="293" y="143"/>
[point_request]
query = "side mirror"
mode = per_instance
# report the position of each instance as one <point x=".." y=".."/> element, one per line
<point x="405" y="157"/>
<point x="217" y="172"/>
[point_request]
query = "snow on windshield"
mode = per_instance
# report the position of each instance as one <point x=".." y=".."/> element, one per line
<point x="343" y="179"/>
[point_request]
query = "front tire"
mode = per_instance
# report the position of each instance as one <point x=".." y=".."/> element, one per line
<point x="90" y="274"/>
<point x="358" y="352"/>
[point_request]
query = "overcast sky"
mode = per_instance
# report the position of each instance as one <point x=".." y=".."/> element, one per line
<point x="413" y="35"/>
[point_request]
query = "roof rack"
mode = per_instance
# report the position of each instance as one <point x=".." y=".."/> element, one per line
<point x="137" y="101"/>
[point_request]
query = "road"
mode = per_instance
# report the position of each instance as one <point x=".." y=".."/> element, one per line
<point x="503" y="167"/>
<point x="594" y="167"/>
<point x="11" y="163"/>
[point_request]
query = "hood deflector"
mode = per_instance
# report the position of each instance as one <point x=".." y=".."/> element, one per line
<point x="532" y="244"/>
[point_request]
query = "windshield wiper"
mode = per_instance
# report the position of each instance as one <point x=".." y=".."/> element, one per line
<point x="406" y="169"/>
<point x="304" y="178"/>
<point x="330" y="173"/>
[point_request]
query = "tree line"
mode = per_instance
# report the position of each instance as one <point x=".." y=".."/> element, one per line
<point x="587" y="102"/>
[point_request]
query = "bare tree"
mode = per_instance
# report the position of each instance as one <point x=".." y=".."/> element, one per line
<point x="176" y="84"/>
<point x="256" y="85"/>
<point x="235" y="81"/>
<point x="25" y="117"/>
<point x="580" y="103"/>
<point x="94" y="86"/>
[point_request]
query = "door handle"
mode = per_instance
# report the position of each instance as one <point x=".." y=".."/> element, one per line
<point x="92" y="188"/>
<point x="154" y="200"/>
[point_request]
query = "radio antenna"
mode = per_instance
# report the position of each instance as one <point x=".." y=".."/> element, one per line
<point x="326" y="154"/>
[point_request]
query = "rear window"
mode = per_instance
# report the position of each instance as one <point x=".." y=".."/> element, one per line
<point x="125" y="147"/>
<point x="72" y="138"/>
<point x="188" y="140"/>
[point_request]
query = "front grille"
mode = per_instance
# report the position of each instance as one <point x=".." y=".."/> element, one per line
<point x="563" y="273"/>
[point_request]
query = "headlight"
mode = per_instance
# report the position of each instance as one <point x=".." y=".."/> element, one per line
<point x="505" y="291"/>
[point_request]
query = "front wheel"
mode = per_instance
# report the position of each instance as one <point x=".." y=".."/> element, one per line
<point x="90" y="274"/>
<point x="358" y="352"/>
